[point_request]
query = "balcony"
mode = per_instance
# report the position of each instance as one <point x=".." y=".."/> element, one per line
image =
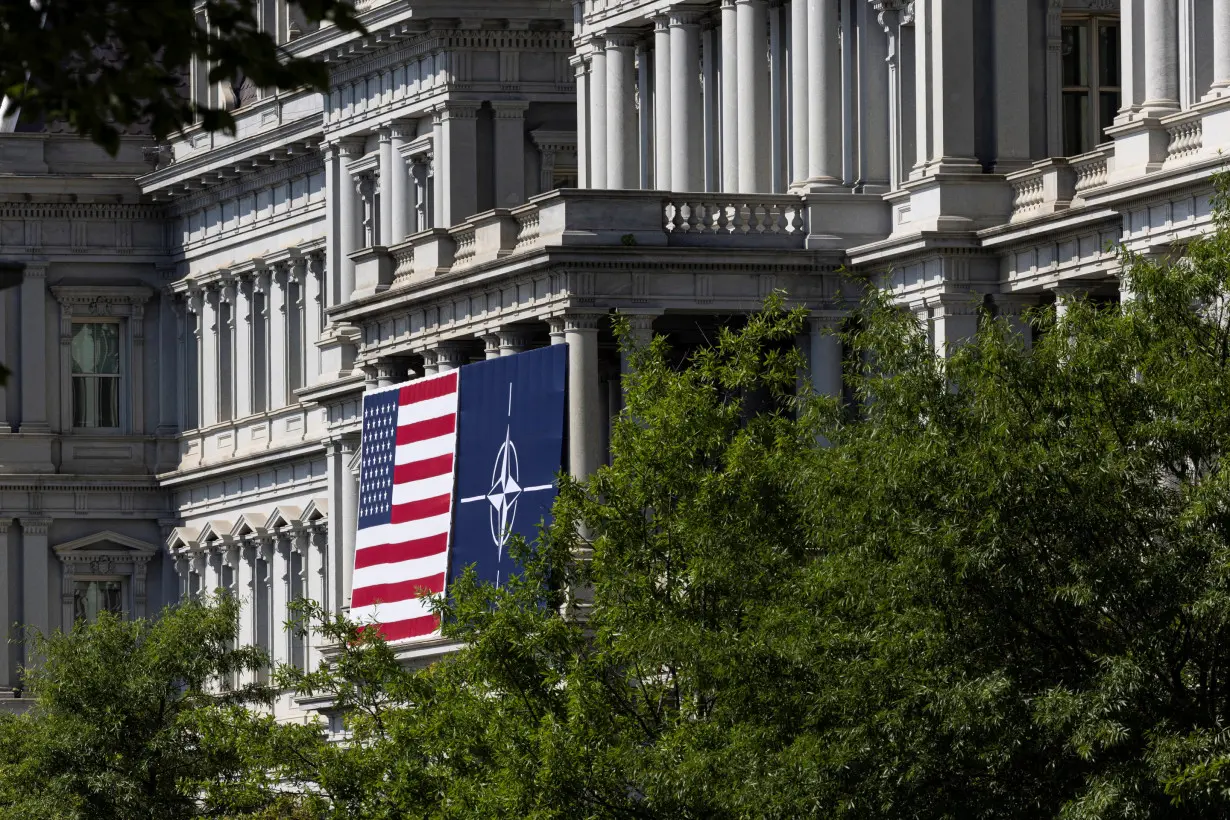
<point x="577" y="219"/>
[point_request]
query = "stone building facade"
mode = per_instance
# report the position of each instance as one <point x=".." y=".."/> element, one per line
<point x="483" y="178"/>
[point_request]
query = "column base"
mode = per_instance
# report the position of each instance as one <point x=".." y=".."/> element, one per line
<point x="818" y="185"/>
<point x="1218" y="91"/>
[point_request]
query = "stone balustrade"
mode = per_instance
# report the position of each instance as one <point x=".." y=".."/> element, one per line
<point x="1092" y="169"/>
<point x="577" y="218"/>
<point x="1184" y="137"/>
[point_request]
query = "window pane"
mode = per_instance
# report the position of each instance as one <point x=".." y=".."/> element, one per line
<point x="1075" y="118"/>
<point x="96" y="348"/>
<point x="1109" y="102"/>
<point x="93" y="597"/>
<point x="1108" y="55"/>
<point x="1076" y="55"/>
<point x="96" y="401"/>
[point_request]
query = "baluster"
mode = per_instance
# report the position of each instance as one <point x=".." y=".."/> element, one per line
<point x="722" y="224"/>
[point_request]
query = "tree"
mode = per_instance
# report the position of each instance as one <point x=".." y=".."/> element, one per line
<point x="137" y="719"/>
<point x="1000" y="591"/>
<point x="103" y="65"/>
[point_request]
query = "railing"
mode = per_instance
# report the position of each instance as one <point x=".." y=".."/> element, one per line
<point x="1028" y="194"/>
<point x="698" y="215"/>
<point x="1186" y="138"/>
<point x="1092" y="169"/>
<point x="582" y="218"/>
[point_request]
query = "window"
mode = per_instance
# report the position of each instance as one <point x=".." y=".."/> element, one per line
<point x="95" y="351"/>
<point x="1090" y="54"/>
<point x="95" y="596"/>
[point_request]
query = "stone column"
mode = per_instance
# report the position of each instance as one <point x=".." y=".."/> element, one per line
<point x="245" y="590"/>
<point x="824" y="91"/>
<point x="278" y="331"/>
<point x="824" y="355"/>
<point x="585" y="420"/>
<point x="621" y="161"/>
<point x="34" y="358"/>
<point x="349" y="213"/>
<point x="209" y="357"/>
<point x="1012" y="51"/>
<point x="279" y="579"/>
<point x="1161" y="32"/>
<point x="400" y="208"/>
<point x="491" y="345"/>
<point x="954" y="321"/>
<point x="439" y="217"/>
<point x="730" y="97"/>
<point x="211" y="577"/>
<point x="331" y="154"/>
<point x="36" y="560"/>
<point x="244" y="329"/>
<point x="384" y="175"/>
<point x="581" y="71"/>
<point x="779" y="159"/>
<point x="514" y="341"/>
<point x="169" y="345"/>
<point x="946" y="90"/>
<point x="800" y="169"/>
<point x="687" y="136"/>
<point x="7" y="595"/>
<point x="753" y="110"/>
<point x="597" y="115"/>
<point x="644" y="119"/>
<point x="1221" y="48"/>
<point x="509" y="152"/>
<point x="662" y="116"/>
<point x="388" y="372"/>
<point x="710" y="106"/>
<point x="193" y="347"/>
<point x="313" y="313"/>
<point x="461" y="161"/>
<point x="449" y="356"/>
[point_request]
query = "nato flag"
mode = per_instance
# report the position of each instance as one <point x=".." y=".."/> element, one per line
<point x="510" y="447"/>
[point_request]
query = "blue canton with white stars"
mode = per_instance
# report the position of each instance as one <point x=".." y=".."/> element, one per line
<point x="379" y="449"/>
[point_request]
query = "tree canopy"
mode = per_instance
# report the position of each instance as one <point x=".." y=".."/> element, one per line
<point x="999" y="589"/>
<point x="103" y="66"/>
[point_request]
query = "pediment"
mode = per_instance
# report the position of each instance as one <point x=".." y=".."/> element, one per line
<point x="111" y="544"/>
<point x="283" y="516"/>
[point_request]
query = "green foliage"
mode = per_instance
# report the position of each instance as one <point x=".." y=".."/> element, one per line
<point x="999" y="590"/>
<point x="101" y="64"/>
<point x="134" y="719"/>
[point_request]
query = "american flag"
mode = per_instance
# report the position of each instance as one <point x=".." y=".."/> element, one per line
<point x="405" y="504"/>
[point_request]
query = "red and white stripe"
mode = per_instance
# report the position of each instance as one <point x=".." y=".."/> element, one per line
<point x="395" y="561"/>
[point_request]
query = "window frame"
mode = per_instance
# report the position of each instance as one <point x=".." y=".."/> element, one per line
<point x="122" y="305"/>
<point x="1093" y="21"/>
<point x="119" y="375"/>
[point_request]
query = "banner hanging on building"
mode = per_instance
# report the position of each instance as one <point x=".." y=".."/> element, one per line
<point x="510" y="447"/>
<point x="464" y="460"/>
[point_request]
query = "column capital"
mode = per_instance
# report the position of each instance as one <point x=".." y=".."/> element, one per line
<point x="582" y="321"/>
<point x="450" y="354"/>
<point x="510" y="109"/>
<point x="457" y="110"/>
<point x="36" y="270"/>
<point x="617" y="38"/>
<point x="661" y="21"/>
<point x="402" y="129"/>
<point x="5" y="523"/>
<point x="35" y="525"/>
<point x="350" y="148"/>
<point x="684" y="17"/>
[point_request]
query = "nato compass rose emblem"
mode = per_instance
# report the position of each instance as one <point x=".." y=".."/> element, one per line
<point x="505" y="489"/>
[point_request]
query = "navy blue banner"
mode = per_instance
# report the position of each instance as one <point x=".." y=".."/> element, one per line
<point x="510" y="446"/>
